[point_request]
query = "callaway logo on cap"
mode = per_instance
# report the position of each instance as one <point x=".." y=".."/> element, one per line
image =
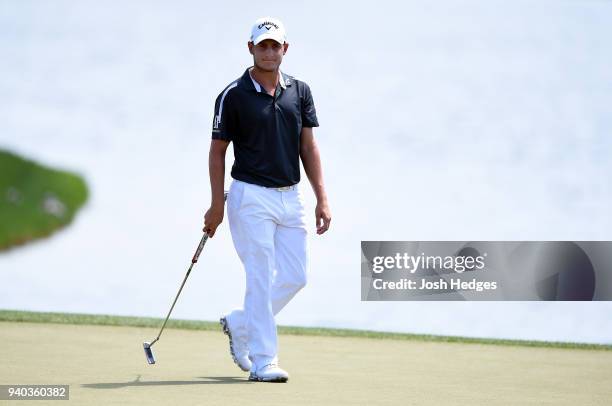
<point x="268" y="28"/>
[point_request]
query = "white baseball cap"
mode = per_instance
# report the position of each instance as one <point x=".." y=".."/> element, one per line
<point x="268" y="28"/>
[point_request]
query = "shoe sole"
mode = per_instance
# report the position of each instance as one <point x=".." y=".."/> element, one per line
<point x="273" y="380"/>
<point x="226" y="331"/>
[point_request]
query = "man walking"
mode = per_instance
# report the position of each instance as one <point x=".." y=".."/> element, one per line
<point x="269" y="117"/>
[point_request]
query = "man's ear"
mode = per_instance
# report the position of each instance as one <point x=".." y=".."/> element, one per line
<point x="285" y="47"/>
<point x="250" y="45"/>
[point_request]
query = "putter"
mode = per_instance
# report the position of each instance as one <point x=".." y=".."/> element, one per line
<point x="147" y="345"/>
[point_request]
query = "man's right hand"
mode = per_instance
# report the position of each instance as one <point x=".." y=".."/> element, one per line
<point x="212" y="219"/>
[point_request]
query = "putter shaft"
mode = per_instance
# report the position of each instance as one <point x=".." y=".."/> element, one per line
<point x="147" y="346"/>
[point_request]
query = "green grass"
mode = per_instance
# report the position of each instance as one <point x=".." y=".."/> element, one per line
<point x="107" y="320"/>
<point x="35" y="200"/>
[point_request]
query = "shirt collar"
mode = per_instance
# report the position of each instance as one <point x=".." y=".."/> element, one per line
<point x="283" y="80"/>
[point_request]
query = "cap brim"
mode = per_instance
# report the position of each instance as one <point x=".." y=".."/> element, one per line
<point x="267" y="35"/>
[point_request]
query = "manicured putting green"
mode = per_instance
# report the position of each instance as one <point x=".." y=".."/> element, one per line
<point x="106" y="365"/>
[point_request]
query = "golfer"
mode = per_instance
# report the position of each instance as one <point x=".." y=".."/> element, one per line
<point x="269" y="117"/>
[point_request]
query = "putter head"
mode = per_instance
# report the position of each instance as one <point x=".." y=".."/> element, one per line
<point x="148" y="352"/>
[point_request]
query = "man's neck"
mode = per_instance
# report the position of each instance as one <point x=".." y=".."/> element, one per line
<point x="269" y="80"/>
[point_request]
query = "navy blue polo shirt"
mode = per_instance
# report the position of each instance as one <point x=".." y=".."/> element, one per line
<point x="265" y="129"/>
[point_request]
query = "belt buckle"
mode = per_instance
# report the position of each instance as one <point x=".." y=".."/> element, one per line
<point x="284" y="188"/>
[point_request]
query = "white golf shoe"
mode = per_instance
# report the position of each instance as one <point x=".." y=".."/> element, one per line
<point x="238" y="348"/>
<point x="269" y="373"/>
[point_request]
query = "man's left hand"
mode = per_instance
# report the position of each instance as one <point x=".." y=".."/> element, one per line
<point x="323" y="217"/>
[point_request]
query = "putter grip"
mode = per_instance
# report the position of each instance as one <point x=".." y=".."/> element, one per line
<point x="199" y="249"/>
<point x="204" y="239"/>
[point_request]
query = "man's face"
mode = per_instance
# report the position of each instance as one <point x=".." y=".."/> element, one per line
<point x="268" y="54"/>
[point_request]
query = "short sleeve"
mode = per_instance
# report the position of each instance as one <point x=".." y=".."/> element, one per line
<point x="224" y="122"/>
<point x="309" y="113"/>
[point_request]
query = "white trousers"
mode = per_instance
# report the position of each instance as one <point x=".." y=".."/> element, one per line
<point x="270" y="236"/>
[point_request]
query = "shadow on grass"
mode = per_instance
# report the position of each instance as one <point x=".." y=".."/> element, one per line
<point x="207" y="380"/>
